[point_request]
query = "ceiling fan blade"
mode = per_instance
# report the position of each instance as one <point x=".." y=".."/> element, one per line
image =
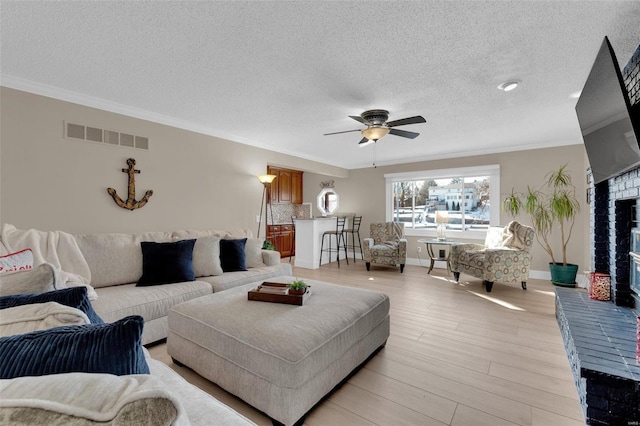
<point x="346" y="131"/>
<point x="358" y="119"/>
<point x="363" y="140"/>
<point x="405" y="121"/>
<point x="403" y="133"/>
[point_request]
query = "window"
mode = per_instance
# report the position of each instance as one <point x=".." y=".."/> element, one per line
<point x="464" y="193"/>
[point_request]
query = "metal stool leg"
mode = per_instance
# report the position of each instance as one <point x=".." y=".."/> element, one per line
<point x="322" y="251"/>
<point x="346" y="253"/>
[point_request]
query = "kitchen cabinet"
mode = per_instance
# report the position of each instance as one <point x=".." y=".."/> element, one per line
<point x="282" y="237"/>
<point x="286" y="188"/>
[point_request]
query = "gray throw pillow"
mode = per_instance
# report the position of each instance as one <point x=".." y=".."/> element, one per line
<point x="40" y="279"/>
<point x="253" y="252"/>
<point x="206" y="257"/>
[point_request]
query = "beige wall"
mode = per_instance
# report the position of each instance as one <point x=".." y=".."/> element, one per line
<point x="364" y="191"/>
<point x="49" y="182"/>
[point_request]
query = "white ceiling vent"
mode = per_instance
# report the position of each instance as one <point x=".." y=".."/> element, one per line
<point x="110" y="137"/>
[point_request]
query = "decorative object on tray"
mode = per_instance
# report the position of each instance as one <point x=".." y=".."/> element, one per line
<point x="298" y="287"/>
<point x="273" y="288"/>
<point x="278" y="293"/>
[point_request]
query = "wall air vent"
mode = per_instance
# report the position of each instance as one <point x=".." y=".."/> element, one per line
<point x="103" y="136"/>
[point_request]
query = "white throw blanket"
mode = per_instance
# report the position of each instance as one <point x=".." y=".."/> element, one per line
<point x="55" y="247"/>
<point x="39" y="316"/>
<point x="96" y="398"/>
<point x="514" y="236"/>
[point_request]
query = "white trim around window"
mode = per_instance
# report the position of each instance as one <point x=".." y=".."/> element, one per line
<point x="493" y="171"/>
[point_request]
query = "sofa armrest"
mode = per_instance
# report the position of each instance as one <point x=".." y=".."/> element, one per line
<point x="367" y="243"/>
<point x="270" y="257"/>
<point x="402" y="248"/>
<point x="458" y="249"/>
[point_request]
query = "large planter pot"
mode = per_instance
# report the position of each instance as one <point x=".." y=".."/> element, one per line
<point x="563" y="276"/>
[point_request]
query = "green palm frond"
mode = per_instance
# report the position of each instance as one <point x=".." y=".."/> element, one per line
<point x="554" y="204"/>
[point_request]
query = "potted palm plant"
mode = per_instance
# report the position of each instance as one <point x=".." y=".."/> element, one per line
<point x="553" y="204"/>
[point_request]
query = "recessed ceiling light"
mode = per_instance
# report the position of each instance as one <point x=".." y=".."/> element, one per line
<point x="508" y="86"/>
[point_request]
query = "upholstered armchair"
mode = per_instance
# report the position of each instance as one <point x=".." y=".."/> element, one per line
<point x="386" y="246"/>
<point x="504" y="257"/>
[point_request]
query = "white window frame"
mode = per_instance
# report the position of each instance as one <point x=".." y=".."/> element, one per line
<point x="492" y="170"/>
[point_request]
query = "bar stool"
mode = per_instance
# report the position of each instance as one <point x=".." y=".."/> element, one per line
<point x="354" y="230"/>
<point x="339" y="236"/>
<point x="293" y="238"/>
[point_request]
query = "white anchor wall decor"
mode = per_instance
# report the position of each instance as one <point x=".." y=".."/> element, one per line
<point x="130" y="203"/>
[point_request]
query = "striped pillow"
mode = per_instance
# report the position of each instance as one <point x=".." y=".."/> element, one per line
<point x="114" y="348"/>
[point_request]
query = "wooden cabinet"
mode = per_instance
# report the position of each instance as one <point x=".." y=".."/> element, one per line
<point x="286" y="188"/>
<point x="282" y="236"/>
<point x="296" y="188"/>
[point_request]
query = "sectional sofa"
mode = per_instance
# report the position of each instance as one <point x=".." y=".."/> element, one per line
<point x="116" y="262"/>
<point x="116" y="265"/>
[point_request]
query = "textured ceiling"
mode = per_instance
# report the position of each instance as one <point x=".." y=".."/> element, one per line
<point x="281" y="74"/>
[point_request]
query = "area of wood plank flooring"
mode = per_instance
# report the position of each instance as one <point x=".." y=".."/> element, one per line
<point x="456" y="356"/>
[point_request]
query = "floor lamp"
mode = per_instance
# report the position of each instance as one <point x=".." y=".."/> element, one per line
<point x="266" y="182"/>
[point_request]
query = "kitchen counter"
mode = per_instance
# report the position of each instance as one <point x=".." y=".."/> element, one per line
<point x="309" y="238"/>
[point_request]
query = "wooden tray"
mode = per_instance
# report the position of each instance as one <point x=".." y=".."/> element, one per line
<point x="289" y="299"/>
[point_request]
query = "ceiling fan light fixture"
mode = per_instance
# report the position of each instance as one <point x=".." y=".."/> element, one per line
<point x="508" y="86"/>
<point x="368" y="142"/>
<point x="375" y="133"/>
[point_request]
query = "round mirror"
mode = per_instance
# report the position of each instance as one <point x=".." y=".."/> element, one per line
<point x="328" y="201"/>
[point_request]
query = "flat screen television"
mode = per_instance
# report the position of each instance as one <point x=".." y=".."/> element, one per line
<point x="609" y="126"/>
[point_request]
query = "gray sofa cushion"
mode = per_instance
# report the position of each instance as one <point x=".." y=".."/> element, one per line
<point x="202" y="408"/>
<point x="234" y="279"/>
<point x="150" y="303"/>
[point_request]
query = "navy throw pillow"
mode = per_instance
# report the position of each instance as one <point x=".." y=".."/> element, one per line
<point x="114" y="348"/>
<point x="232" y="255"/>
<point x="75" y="297"/>
<point x="166" y="263"/>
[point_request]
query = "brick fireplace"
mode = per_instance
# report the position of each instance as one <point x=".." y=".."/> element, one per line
<point x="600" y="336"/>
<point x="615" y="211"/>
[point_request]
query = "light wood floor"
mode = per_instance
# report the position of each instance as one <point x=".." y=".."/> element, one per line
<point x="456" y="356"/>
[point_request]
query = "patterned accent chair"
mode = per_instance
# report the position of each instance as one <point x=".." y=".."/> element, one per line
<point x="504" y="257"/>
<point x="386" y="246"/>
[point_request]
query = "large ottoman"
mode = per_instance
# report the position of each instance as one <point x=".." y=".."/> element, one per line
<point x="281" y="359"/>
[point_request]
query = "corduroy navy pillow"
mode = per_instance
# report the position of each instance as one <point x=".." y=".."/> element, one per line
<point x="232" y="255"/>
<point x="75" y="297"/>
<point x="114" y="348"/>
<point x="166" y="263"/>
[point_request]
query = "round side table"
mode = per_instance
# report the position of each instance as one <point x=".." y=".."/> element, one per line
<point x="432" y="256"/>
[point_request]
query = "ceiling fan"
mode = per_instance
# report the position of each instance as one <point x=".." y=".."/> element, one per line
<point x="378" y="126"/>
